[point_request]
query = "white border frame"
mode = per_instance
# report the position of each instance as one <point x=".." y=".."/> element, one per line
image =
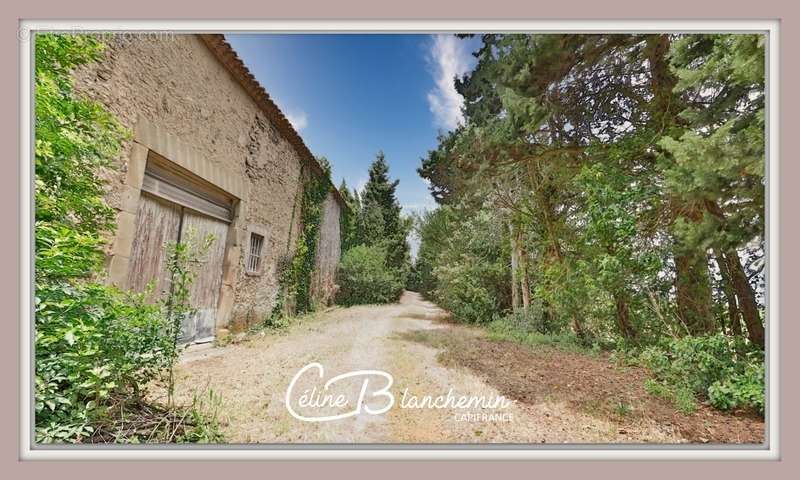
<point x="423" y="452"/>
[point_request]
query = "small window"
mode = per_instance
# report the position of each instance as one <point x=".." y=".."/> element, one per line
<point x="254" y="258"/>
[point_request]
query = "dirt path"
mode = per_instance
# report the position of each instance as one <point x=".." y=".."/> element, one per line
<point x="406" y="340"/>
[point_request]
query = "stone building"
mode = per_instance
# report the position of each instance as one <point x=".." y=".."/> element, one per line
<point x="210" y="154"/>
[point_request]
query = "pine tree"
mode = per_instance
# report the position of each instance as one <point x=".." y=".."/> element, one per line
<point x="380" y="192"/>
<point x="380" y="215"/>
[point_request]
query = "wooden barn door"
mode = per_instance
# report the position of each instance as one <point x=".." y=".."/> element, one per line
<point x="175" y="208"/>
<point x="205" y="289"/>
<point x="157" y="224"/>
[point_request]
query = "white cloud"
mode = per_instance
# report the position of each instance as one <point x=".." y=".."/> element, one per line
<point x="299" y="120"/>
<point x="448" y="58"/>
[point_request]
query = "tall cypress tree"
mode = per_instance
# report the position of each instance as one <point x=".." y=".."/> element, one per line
<point x="380" y="214"/>
<point x="380" y="191"/>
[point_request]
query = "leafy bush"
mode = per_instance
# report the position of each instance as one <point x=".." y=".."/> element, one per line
<point x="414" y="281"/>
<point x="364" y="278"/>
<point x="92" y="343"/>
<point x="96" y="349"/>
<point x="462" y="262"/>
<point x="470" y="271"/>
<point x="725" y="370"/>
<point x="740" y="389"/>
<point x="509" y="328"/>
<point x="462" y="291"/>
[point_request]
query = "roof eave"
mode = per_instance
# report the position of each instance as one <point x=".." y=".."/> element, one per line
<point x="227" y="56"/>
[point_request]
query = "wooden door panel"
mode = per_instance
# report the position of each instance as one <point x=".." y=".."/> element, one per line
<point x="207" y="282"/>
<point x="157" y="223"/>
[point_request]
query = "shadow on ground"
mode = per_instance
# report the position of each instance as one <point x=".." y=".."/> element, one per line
<point x="590" y="384"/>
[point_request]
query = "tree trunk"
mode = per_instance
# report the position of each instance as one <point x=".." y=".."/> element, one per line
<point x="577" y="327"/>
<point x="665" y="104"/>
<point x="692" y="281"/>
<point x="576" y="323"/>
<point x="744" y="291"/>
<point x="747" y="299"/>
<point x="547" y="317"/>
<point x="526" y="292"/>
<point x="694" y="293"/>
<point x="730" y="294"/>
<point x="623" y="317"/>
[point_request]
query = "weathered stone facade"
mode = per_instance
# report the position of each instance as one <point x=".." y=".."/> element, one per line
<point x="190" y="106"/>
<point x="329" y="250"/>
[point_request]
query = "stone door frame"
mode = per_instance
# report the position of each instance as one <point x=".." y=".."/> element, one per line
<point x="150" y="137"/>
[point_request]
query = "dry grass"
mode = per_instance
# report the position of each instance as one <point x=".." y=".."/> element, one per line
<point x="588" y="384"/>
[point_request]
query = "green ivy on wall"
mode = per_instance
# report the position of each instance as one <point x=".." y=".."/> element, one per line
<point x="314" y="193"/>
<point x="295" y="276"/>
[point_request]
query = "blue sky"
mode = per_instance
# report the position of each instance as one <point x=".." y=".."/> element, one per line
<point x="351" y="95"/>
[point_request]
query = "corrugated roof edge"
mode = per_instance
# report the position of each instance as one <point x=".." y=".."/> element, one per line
<point x="227" y="56"/>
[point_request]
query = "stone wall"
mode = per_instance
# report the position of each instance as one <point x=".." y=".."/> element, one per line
<point x="329" y="249"/>
<point x="174" y="95"/>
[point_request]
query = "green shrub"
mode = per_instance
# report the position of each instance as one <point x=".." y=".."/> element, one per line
<point x="745" y="389"/>
<point x="508" y="329"/>
<point x="93" y="344"/>
<point x="685" y="400"/>
<point x="657" y="389"/>
<point x="723" y="369"/>
<point x="466" y="289"/>
<point x="622" y="409"/>
<point x="414" y="280"/>
<point x="462" y="263"/>
<point x="364" y="278"/>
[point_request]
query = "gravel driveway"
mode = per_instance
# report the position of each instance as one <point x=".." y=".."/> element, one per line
<point x="252" y="378"/>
